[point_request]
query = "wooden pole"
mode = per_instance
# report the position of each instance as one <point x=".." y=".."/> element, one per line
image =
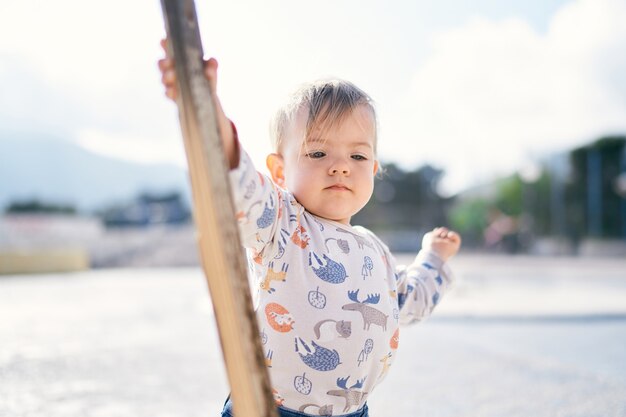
<point x="221" y="252"/>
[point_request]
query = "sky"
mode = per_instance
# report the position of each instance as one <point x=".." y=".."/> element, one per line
<point x="479" y="89"/>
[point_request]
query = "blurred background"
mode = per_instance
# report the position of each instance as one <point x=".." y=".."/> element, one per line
<point x="503" y="120"/>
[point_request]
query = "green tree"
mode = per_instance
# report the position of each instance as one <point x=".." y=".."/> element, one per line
<point x="37" y="206"/>
<point x="470" y="218"/>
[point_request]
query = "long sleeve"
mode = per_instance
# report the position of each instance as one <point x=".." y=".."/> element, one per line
<point x="421" y="285"/>
<point x="258" y="204"/>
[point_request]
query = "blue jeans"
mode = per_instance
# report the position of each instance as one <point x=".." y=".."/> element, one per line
<point x="283" y="412"/>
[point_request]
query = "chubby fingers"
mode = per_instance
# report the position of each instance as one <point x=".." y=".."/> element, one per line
<point x="445" y="233"/>
<point x="210" y="72"/>
<point x="454" y="237"/>
<point x="168" y="77"/>
<point x="168" y="74"/>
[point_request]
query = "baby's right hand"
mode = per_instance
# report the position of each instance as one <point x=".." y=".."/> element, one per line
<point x="168" y="73"/>
<point x="168" y="78"/>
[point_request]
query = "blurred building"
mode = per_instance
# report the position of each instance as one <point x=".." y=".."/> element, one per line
<point x="148" y="209"/>
<point x="44" y="242"/>
<point x="595" y="197"/>
<point x="569" y="203"/>
<point x="151" y="230"/>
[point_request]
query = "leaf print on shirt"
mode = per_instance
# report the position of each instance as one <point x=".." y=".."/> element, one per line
<point x="318" y="358"/>
<point x="279" y="318"/>
<point x="302" y="384"/>
<point x="368" y="265"/>
<point x="328" y="270"/>
<point x="317" y="299"/>
<point x="367" y="349"/>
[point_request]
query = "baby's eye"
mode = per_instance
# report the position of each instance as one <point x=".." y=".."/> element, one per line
<point x="359" y="157"/>
<point x="316" y="155"/>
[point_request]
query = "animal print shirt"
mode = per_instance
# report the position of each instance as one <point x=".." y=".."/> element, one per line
<point x="329" y="297"/>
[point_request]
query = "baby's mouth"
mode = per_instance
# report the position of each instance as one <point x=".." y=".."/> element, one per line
<point x="338" y="187"/>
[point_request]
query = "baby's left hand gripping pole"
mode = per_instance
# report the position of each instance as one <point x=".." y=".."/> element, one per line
<point x="221" y="252"/>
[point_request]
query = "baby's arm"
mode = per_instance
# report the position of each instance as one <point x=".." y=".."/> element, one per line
<point x="422" y="284"/>
<point x="256" y="198"/>
<point x="168" y="78"/>
<point x="259" y="204"/>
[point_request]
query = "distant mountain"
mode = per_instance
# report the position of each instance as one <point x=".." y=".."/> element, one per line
<point x="54" y="170"/>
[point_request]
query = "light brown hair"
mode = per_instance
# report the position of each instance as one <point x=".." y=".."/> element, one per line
<point x="328" y="102"/>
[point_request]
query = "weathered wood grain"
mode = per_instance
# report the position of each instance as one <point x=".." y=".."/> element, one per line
<point x="221" y="253"/>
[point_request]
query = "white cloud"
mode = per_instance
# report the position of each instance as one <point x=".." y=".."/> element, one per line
<point x="68" y="42"/>
<point x="490" y="93"/>
<point x="87" y="72"/>
<point x="132" y="146"/>
<point x="494" y="93"/>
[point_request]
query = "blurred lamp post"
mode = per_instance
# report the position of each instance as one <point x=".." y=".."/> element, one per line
<point x="529" y="174"/>
<point x="620" y="189"/>
<point x="620" y="185"/>
<point x="594" y="192"/>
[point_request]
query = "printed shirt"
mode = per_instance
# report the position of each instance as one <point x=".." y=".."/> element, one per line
<point x="328" y="297"/>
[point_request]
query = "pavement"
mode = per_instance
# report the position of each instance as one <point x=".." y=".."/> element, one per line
<point x="518" y="336"/>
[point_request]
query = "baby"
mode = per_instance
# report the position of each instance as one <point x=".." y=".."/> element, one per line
<point x="329" y="297"/>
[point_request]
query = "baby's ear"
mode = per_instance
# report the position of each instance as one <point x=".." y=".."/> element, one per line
<point x="275" y="165"/>
<point x="376" y="166"/>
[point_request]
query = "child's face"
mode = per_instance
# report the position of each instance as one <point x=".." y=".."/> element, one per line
<point x="332" y="173"/>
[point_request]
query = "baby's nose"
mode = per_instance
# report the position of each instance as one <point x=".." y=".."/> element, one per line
<point x="339" y="169"/>
<point x="339" y="165"/>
